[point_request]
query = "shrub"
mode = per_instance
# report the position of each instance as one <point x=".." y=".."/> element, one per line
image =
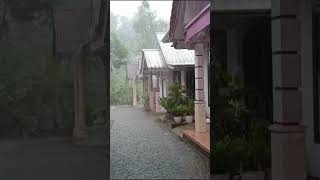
<point x="190" y="107"/>
<point x="179" y="110"/>
<point x="167" y="103"/>
<point x="221" y="157"/>
<point x="146" y="102"/>
<point x="177" y="102"/>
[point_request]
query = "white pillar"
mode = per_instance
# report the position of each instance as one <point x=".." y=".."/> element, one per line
<point x="205" y="77"/>
<point x="183" y="77"/>
<point x="160" y="85"/>
<point x="287" y="133"/>
<point x="200" y="112"/>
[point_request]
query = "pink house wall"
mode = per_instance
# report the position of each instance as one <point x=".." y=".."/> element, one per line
<point x="159" y="108"/>
<point x="152" y="102"/>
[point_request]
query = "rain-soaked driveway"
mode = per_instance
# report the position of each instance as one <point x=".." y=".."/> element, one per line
<point x="142" y="148"/>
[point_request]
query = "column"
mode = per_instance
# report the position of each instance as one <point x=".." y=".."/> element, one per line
<point x="183" y="77"/>
<point x="199" y="104"/>
<point x="287" y="133"/>
<point x="80" y="132"/>
<point x="134" y="93"/>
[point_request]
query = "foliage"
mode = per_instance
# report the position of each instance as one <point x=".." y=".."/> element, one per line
<point x="178" y="110"/>
<point x="190" y="107"/>
<point x="128" y="36"/>
<point x="238" y="153"/>
<point x="259" y="141"/>
<point x="221" y="157"/>
<point x="145" y="25"/>
<point x="231" y="116"/>
<point x="36" y="90"/>
<point x="167" y="103"/>
<point x="248" y="136"/>
<point x="118" y="52"/>
<point x="177" y="103"/>
<point x="146" y="102"/>
<point x="120" y="92"/>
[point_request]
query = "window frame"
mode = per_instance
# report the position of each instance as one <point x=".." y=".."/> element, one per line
<point x="152" y="83"/>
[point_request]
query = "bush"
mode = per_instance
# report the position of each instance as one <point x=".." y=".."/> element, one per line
<point x="221" y="157"/>
<point x="167" y="103"/>
<point x="190" y="107"/>
<point x="179" y="110"/>
<point x="146" y="103"/>
<point x="177" y="103"/>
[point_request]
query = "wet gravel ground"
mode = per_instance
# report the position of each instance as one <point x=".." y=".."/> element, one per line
<point x="50" y="159"/>
<point x="142" y="148"/>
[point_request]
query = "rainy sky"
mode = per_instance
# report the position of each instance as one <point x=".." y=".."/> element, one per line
<point x="129" y="8"/>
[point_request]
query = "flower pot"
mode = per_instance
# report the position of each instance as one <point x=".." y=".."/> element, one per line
<point x="189" y="119"/>
<point x="254" y="175"/>
<point x="177" y="119"/>
<point x="220" y="176"/>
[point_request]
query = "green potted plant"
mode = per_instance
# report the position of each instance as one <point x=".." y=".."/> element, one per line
<point x="189" y="111"/>
<point x="221" y="160"/>
<point x="178" y="111"/>
<point x="259" y="151"/>
<point x="167" y="103"/>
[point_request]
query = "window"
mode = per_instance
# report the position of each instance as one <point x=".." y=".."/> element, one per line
<point x="154" y="81"/>
<point x="316" y="73"/>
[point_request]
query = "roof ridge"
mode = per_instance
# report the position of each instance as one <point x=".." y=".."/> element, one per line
<point x="150" y="49"/>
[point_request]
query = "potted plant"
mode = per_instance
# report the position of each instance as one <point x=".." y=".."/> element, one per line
<point x="178" y="112"/>
<point x="259" y="151"/>
<point x="168" y="104"/>
<point x="189" y="111"/>
<point x="221" y="160"/>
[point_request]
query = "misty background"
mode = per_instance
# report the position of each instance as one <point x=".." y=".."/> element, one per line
<point x="132" y="28"/>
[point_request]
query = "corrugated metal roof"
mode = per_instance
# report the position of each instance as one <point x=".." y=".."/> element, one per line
<point x="153" y="58"/>
<point x="175" y="56"/>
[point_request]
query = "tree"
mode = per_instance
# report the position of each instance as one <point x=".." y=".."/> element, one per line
<point x="132" y="34"/>
<point x="114" y="21"/>
<point x="118" y="52"/>
<point x="144" y="25"/>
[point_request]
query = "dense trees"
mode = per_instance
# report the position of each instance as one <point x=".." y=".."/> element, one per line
<point x="128" y="36"/>
<point x="36" y="89"/>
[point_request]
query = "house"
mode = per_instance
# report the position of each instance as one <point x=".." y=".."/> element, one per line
<point x="79" y="29"/>
<point x="273" y="46"/>
<point x="161" y="67"/>
<point x="180" y="64"/>
<point x="189" y="29"/>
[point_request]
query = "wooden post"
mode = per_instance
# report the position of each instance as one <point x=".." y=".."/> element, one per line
<point x="134" y="93"/>
<point x="80" y="133"/>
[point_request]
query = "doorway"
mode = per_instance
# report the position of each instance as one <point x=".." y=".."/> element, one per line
<point x="257" y="64"/>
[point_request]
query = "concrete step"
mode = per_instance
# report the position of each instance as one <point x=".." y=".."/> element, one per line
<point x="201" y="140"/>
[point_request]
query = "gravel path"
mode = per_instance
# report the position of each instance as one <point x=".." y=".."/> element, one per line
<point x="142" y="148"/>
<point x="50" y="159"/>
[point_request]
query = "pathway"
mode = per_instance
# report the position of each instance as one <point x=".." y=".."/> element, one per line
<point x="142" y="148"/>
<point x="50" y="159"/>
